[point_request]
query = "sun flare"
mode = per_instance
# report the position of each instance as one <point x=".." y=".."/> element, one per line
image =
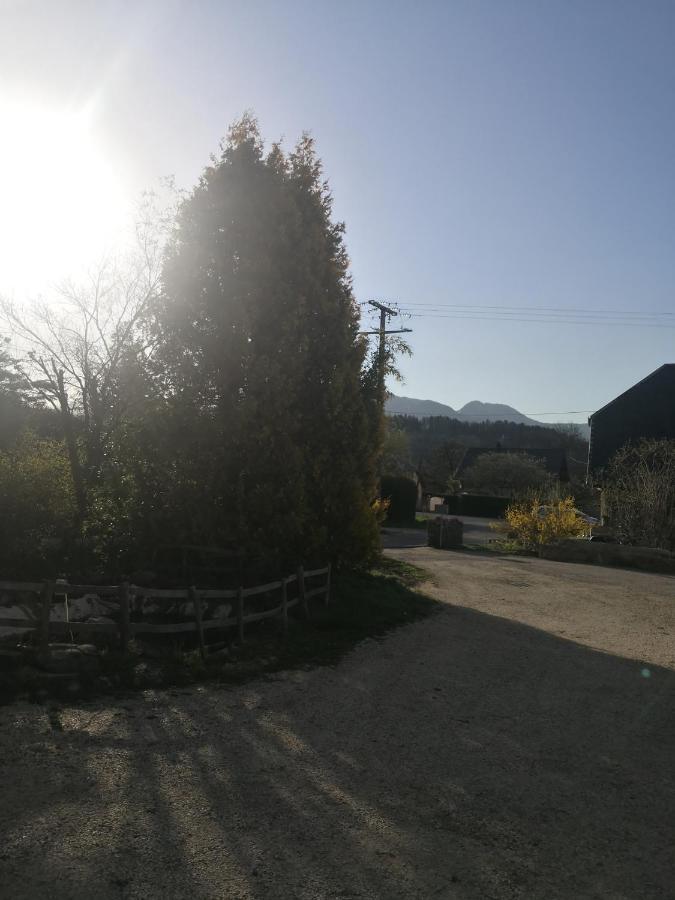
<point x="61" y="201"/>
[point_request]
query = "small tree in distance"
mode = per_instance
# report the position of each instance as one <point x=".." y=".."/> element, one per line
<point x="506" y="474"/>
<point x="396" y="458"/>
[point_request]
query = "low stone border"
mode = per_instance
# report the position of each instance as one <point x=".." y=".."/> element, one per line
<point x="647" y="559"/>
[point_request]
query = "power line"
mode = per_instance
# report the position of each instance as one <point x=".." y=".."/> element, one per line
<point x="553" y="320"/>
<point x="387" y="312"/>
<point x="546" y="317"/>
<point x="587" y="310"/>
<point x="533" y="314"/>
<point x="543" y="317"/>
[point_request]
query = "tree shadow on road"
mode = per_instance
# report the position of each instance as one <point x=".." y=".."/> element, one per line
<point x="464" y="756"/>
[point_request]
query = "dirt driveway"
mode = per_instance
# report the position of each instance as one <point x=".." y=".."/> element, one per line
<point x="519" y="744"/>
<point x="630" y="614"/>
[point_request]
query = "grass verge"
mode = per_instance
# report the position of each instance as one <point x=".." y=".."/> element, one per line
<point x="363" y="605"/>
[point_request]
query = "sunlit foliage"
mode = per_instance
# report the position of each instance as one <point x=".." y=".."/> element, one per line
<point x="530" y="523"/>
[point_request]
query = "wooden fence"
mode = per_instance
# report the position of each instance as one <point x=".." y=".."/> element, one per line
<point x="125" y="628"/>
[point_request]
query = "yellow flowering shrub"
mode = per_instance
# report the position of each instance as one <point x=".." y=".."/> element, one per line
<point x="530" y="523"/>
<point x="380" y="507"/>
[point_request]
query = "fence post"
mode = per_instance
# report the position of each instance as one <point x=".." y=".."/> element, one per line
<point x="328" y="586"/>
<point x="123" y="595"/>
<point x="45" y="609"/>
<point x="284" y="606"/>
<point x="196" y="599"/>
<point x="301" y="592"/>
<point x="240" y="614"/>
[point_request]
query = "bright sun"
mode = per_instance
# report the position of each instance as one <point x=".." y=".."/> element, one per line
<point x="61" y="203"/>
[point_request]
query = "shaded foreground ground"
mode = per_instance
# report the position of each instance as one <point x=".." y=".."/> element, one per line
<point x="364" y="605"/>
<point x="478" y="753"/>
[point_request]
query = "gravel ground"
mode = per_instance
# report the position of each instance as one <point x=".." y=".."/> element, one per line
<point x="518" y="744"/>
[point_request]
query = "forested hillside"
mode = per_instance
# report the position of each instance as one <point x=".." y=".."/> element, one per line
<point x="432" y="447"/>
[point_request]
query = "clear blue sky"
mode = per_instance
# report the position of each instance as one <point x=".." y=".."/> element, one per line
<point x="481" y="153"/>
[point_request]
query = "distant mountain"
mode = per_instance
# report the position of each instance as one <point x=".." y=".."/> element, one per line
<point x="420" y="409"/>
<point x="474" y="411"/>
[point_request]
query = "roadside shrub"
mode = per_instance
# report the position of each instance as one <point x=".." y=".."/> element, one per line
<point x="402" y="496"/>
<point x="530" y="524"/>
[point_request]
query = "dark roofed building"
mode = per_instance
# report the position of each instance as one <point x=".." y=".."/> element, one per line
<point x="555" y="461"/>
<point x="646" y="410"/>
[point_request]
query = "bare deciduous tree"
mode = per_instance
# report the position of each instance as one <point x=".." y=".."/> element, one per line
<point x="640" y="494"/>
<point x="74" y="350"/>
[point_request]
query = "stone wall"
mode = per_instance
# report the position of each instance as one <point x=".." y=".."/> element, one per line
<point x="598" y="553"/>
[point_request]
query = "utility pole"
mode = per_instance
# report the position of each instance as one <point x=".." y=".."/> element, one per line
<point x="385" y="313"/>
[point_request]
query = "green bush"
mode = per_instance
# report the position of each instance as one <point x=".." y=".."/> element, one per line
<point x="37" y="506"/>
<point x="505" y="474"/>
<point x="402" y="495"/>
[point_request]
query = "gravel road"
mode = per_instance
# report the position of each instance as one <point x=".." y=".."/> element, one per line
<point x="477" y="533"/>
<point x="519" y="744"/>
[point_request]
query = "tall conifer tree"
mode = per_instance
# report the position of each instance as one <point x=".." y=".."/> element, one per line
<point x="258" y="336"/>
